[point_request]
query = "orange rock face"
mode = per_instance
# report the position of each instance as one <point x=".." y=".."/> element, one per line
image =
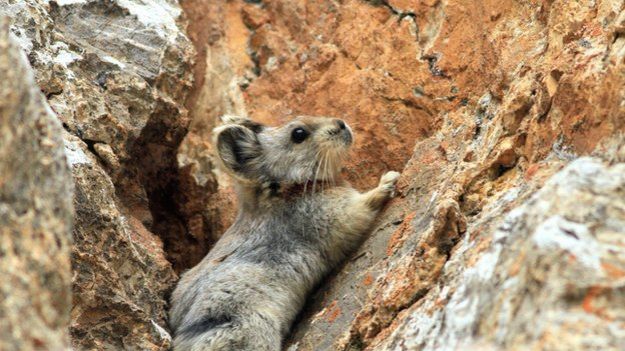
<point x="396" y="71"/>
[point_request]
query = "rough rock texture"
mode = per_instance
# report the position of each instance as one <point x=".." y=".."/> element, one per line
<point x="121" y="275"/>
<point x="479" y="103"/>
<point x="116" y="73"/>
<point x="548" y="275"/>
<point x="35" y="211"/>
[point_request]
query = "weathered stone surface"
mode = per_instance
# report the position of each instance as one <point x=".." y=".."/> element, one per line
<point x="209" y="203"/>
<point x="479" y="103"/>
<point x="117" y="74"/>
<point x="35" y="211"/>
<point x="548" y="275"/>
<point x="121" y="275"/>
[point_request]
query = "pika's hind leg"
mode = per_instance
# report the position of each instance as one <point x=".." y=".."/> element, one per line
<point x="376" y="197"/>
<point x="231" y="338"/>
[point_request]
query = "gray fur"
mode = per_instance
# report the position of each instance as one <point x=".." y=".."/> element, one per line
<point x="287" y="236"/>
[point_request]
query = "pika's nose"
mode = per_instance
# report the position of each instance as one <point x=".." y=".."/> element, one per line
<point x="340" y="123"/>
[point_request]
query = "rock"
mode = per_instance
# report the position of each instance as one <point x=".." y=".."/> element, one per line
<point x="120" y="270"/>
<point x="547" y="275"/>
<point x="35" y="211"/>
<point x="117" y="74"/>
<point x="208" y="202"/>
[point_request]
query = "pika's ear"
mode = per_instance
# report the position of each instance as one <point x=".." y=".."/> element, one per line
<point x="238" y="149"/>
<point x="243" y="121"/>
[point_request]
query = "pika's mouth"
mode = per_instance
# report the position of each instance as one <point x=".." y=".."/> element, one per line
<point x="342" y="133"/>
<point x="334" y="146"/>
<point x="348" y="138"/>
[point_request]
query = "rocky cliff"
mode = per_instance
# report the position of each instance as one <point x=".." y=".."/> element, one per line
<point x="115" y="75"/>
<point x="505" y="118"/>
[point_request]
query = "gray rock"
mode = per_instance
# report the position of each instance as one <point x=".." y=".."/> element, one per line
<point x="35" y="211"/>
<point x="117" y="74"/>
<point x="551" y="279"/>
<point x="120" y="271"/>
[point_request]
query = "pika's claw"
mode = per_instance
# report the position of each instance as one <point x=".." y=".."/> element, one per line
<point x="388" y="182"/>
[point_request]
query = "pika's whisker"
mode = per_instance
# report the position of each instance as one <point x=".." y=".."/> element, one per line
<point x="325" y="170"/>
<point x="315" y="177"/>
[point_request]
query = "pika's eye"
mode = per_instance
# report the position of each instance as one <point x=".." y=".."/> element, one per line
<point x="299" y="135"/>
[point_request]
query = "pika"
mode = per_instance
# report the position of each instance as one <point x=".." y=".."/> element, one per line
<point x="296" y="221"/>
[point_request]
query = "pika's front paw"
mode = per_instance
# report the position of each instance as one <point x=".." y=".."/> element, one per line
<point x="388" y="181"/>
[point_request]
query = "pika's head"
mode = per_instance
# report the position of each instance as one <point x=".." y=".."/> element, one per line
<point x="305" y="149"/>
